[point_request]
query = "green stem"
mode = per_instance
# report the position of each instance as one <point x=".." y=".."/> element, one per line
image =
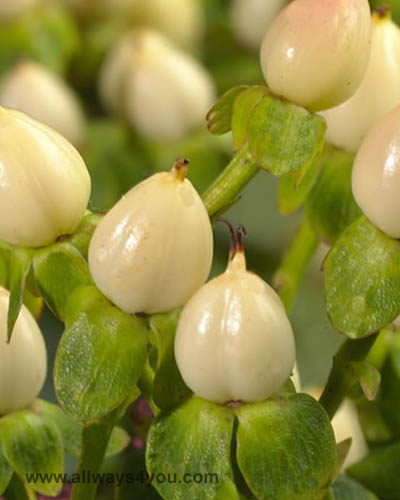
<point x="288" y="277"/>
<point x="341" y="379"/>
<point x="17" y="490"/>
<point x="226" y="188"/>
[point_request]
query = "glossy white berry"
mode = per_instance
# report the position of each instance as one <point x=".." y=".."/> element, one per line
<point x="182" y="21"/>
<point x="234" y="341"/>
<point x="44" y="183"/>
<point x="23" y="362"/>
<point x="252" y="18"/>
<point x="41" y="94"/>
<point x="154" y="248"/>
<point x="376" y="175"/>
<point x="349" y="123"/>
<point x="12" y="9"/>
<point x="316" y="51"/>
<point x="163" y="92"/>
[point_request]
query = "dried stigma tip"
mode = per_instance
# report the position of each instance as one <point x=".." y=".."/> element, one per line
<point x="240" y="232"/>
<point x="382" y="12"/>
<point x="180" y="168"/>
<point x="233" y="245"/>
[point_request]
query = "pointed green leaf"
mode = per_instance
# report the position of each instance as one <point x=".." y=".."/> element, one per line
<point x="286" y="448"/>
<point x="32" y="444"/>
<point x="168" y="385"/>
<point x="343" y="449"/>
<point x="330" y="207"/>
<point x="284" y="137"/>
<point x="6" y="472"/>
<point x="362" y="278"/>
<point x="20" y="263"/>
<point x="59" y="270"/>
<point x="194" y="438"/>
<point x="71" y="431"/>
<point x="368" y="377"/>
<point x="242" y="107"/>
<point x="379" y="472"/>
<point x="99" y="360"/>
<point x="219" y="117"/>
<point x="345" y="488"/>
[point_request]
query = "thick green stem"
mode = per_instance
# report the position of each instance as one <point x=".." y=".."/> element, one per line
<point x="341" y="378"/>
<point x="227" y="187"/>
<point x="17" y="490"/>
<point x="288" y="277"/>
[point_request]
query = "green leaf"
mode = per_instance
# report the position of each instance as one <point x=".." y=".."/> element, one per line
<point x="99" y="360"/>
<point x="368" y="376"/>
<point x="71" y="431"/>
<point x="286" y="448"/>
<point x="168" y="385"/>
<point x="194" y="438"/>
<point x="379" y="472"/>
<point x="59" y="270"/>
<point x="242" y="107"/>
<point x="227" y="492"/>
<point x="219" y="118"/>
<point x="330" y="207"/>
<point x="294" y="187"/>
<point x="6" y="472"/>
<point x="21" y="260"/>
<point x="345" y="488"/>
<point x="374" y="426"/>
<point x="284" y="137"/>
<point x="32" y="444"/>
<point x="362" y="278"/>
<point x="18" y="490"/>
<point x="83" y="234"/>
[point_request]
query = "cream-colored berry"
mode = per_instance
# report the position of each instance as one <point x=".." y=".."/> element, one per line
<point x="41" y="94"/>
<point x="154" y="248"/>
<point x="316" y="52"/>
<point x="234" y="341"/>
<point x="376" y="175"/>
<point x="349" y="123"/>
<point x="23" y="362"/>
<point x="163" y="92"/>
<point x="44" y="183"/>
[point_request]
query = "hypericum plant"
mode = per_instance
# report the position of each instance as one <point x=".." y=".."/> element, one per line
<point x="232" y="342"/>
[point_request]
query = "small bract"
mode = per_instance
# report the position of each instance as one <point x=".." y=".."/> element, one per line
<point x="163" y="92"/>
<point x="234" y="341"/>
<point x="41" y="94"/>
<point x="23" y="362"/>
<point x="316" y="52"/>
<point x="44" y="183"/>
<point x="154" y="248"/>
<point x="376" y="175"/>
<point x="349" y="123"/>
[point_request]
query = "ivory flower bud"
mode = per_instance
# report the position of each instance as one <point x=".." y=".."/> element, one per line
<point x="33" y="89"/>
<point x="163" y="92"/>
<point x="182" y="21"/>
<point x="12" y="9"/>
<point x="376" y="175"/>
<point x="252" y="18"/>
<point x="234" y="341"/>
<point x="154" y="248"/>
<point x="23" y="362"/>
<point x="349" y="123"/>
<point x="44" y="183"/>
<point x="316" y="52"/>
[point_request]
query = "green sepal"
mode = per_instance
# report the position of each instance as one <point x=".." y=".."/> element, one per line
<point x="368" y="377"/>
<point x="362" y="279"/>
<point x="169" y="388"/>
<point x="6" y="472"/>
<point x="20" y="264"/>
<point x="32" y="444"/>
<point x="83" y="234"/>
<point x="99" y="360"/>
<point x="379" y="472"/>
<point x="345" y="488"/>
<point x="343" y="449"/>
<point x="71" y="431"/>
<point x="59" y="270"/>
<point x="276" y="436"/>
<point x="330" y="206"/>
<point x="193" y="438"/>
<point x="219" y="118"/>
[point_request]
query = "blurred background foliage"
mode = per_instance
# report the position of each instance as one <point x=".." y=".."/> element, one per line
<point x="73" y="44"/>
